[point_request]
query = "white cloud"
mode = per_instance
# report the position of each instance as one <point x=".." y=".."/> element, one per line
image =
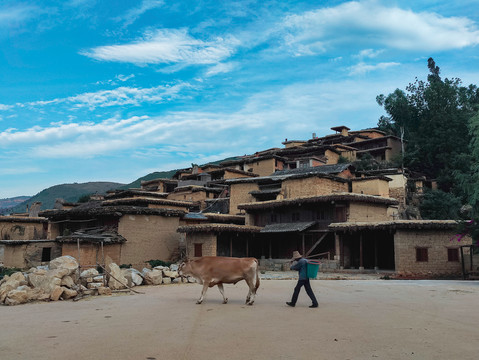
<point x="133" y="14"/>
<point x="15" y="15"/>
<point x="369" y="53"/>
<point x="167" y="46"/>
<point x="4" y="107"/>
<point x="362" y="68"/>
<point x="118" y="97"/>
<point x="370" y="22"/>
<point x="221" y="68"/>
<point x="318" y="105"/>
<point x="124" y="78"/>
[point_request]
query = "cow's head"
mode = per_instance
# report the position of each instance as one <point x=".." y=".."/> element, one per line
<point x="185" y="268"/>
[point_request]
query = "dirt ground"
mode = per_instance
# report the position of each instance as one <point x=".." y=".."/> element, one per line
<point x="356" y="319"/>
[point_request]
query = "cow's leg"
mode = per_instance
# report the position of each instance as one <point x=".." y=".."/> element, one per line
<point x="222" y="291"/>
<point x="251" y="292"/>
<point x="203" y="292"/>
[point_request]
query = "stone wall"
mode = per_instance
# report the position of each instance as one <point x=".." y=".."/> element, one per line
<point x="437" y="243"/>
<point x="367" y="212"/>
<point x="149" y="237"/>
<point x="208" y="241"/>
<point x="239" y="194"/>
<point x="311" y="186"/>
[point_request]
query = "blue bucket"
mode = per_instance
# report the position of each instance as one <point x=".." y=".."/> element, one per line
<point x="312" y="268"/>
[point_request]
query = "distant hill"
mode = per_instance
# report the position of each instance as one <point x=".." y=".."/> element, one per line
<point x="67" y="192"/>
<point x="166" y="174"/>
<point x="72" y="192"/>
<point x="8" y="203"/>
<point x="154" y="175"/>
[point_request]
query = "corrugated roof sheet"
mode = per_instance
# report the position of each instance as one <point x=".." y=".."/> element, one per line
<point x="287" y="227"/>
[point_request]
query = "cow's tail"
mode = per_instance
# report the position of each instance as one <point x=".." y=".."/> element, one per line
<point x="257" y="276"/>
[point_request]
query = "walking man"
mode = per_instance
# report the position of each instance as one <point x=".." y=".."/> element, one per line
<point x="301" y="266"/>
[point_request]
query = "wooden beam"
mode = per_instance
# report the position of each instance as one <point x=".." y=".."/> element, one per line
<point x="315" y="244"/>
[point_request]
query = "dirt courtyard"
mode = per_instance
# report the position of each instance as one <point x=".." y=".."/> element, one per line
<point x="356" y="319"/>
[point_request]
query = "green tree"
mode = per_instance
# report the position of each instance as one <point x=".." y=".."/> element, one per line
<point x="433" y="118"/>
<point x="440" y="205"/>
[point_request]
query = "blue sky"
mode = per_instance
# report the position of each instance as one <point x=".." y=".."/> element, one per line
<point x="96" y="90"/>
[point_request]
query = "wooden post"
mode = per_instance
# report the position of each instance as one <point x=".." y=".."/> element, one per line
<point x="231" y="247"/>
<point x="341" y="255"/>
<point x="361" y="265"/>
<point x="270" y="253"/>
<point x="303" y="248"/>
<point x="376" y="267"/>
<point x="247" y="241"/>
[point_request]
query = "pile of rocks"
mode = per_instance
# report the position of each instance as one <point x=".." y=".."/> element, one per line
<point x="58" y="281"/>
<point x="61" y="280"/>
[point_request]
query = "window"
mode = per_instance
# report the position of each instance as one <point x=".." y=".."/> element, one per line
<point x="295" y="216"/>
<point x="198" y="250"/>
<point x="46" y="254"/>
<point x="274" y="218"/>
<point x="320" y="215"/>
<point x="453" y="254"/>
<point x="421" y="254"/>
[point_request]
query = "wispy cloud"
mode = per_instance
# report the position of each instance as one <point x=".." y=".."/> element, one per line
<point x="314" y="103"/>
<point x="133" y="14"/>
<point x="370" y="22"/>
<point x="116" y="97"/>
<point x="362" y="68"/>
<point x="167" y="46"/>
<point x="14" y="15"/>
<point x="221" y="68"/>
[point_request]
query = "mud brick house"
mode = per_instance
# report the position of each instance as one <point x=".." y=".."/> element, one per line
<point x="290" y="184"/>
<point x="159" y="185"/>
<point x="135" y="230"/>
<point x="409" y="247"/>
<point x="23" y="241"/>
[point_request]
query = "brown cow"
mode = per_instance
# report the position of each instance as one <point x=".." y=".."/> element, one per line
<point x="216" y="270"/>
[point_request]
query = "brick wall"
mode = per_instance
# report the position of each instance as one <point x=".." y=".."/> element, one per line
<point x="199" y="196"/>
<point x="367" y="212"/>
<point x="262" y="167"/>
<point x="90" y="254"/>
<point x="312" y="186"/>
<point x="332" y="157"/>
<point x="436" y="241"/>
<point x="371" y="187"/>
<point x="239" y="194"/>
<point x="149" y="237"/>
<point x="207" y="241"/>
<point x="19" y="230"/>
<point x="28" y="255"/>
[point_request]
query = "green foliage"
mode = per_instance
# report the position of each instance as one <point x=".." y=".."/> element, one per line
<point x="342" y="160"/>
<point x="440" y="205"/>
<point x="8" y="271"/>
<point x="125" y="266"/>
<point x="154" y="263"/>
<point x="84" y="198"/>
<point x="433" y="116"/>
<point x="67" y="192"/>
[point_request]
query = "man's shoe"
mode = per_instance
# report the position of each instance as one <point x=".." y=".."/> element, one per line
<point x="314" y="306"/>
<point x="290" y="304"/>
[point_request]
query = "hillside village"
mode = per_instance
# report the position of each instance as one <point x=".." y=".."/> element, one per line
<point x="308" y="195"/>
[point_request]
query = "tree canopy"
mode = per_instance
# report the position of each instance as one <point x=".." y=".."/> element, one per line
<point x="439" y="122"/>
